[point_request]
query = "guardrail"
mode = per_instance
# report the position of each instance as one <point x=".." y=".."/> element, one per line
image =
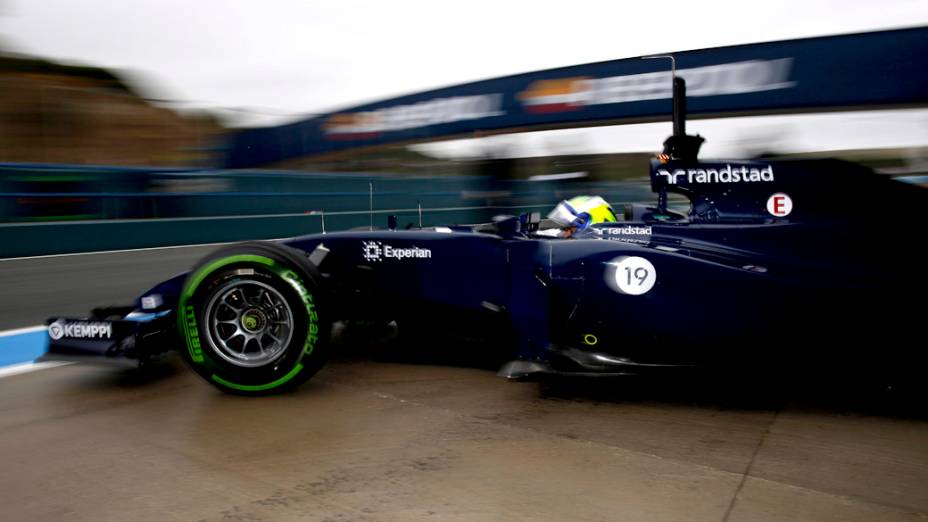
<point x="31" y="193"/>
<point x="61" y="209"/>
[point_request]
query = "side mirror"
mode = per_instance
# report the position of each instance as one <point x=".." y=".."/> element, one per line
<point x="529" y="222"/>
<point x="507" y="226"/>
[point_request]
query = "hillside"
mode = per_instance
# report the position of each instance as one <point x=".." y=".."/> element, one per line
<point x="56" y="113"/>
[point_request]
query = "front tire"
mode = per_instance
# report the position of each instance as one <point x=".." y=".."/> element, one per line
<point x="252" y="319"/>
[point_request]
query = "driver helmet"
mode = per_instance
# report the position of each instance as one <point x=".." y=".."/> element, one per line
<point x="582" y="211"/>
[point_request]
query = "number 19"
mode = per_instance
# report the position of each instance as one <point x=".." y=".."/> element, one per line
<point x="640" y="273"/>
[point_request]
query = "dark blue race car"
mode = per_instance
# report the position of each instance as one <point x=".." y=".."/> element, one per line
<point x="775" y="264"/>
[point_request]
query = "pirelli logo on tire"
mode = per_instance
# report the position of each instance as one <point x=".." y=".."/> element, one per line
<point x="193" y="335"/>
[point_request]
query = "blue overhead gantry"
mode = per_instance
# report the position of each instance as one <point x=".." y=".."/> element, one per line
<point x="856" y="71"/>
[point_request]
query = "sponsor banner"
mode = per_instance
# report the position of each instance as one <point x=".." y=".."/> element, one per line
<point x="372" y="124"/>
<point x="64" y="329"/>
<point x="877" y="69"/>
<point x="377" y="251"/>
<point x="547" y="96"/>
<point x="712" y="174"/>
<point x="628" y="233"/>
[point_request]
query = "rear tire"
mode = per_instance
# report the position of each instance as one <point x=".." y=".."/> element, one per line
<point x="252" y="317"/>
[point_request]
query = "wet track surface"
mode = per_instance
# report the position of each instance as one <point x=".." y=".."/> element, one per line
<point x="369" y="439"/>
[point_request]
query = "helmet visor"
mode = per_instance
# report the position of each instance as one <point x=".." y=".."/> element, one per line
<point x="565" y="215"/>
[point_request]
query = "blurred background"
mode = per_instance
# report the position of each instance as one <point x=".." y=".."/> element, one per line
<point x="137" y="124"/>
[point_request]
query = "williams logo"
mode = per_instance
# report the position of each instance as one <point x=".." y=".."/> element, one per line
<point x="80" y="330"/>
<point x="726" y="174"/>
<point x="375" y="251"/>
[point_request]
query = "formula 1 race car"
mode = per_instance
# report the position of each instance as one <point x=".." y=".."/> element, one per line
<point x="777" y="263"/>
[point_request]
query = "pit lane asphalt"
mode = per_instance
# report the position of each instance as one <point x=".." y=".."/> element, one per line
<point x="34" y="289"/>
<point x="371" y="440"/>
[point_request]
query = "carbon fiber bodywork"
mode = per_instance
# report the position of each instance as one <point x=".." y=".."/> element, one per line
<point x="728" y="282"/>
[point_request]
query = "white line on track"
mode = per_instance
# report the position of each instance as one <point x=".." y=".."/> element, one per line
<point x="24" y="330"/>
<point x="18" y="369"/>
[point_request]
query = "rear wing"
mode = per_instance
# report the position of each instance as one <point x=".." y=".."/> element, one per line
<point x="721" y="191"/>
<point x="739" y="191"/>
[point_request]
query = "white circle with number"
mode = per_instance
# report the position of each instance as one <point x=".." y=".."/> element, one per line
<point x="634" y="275"/>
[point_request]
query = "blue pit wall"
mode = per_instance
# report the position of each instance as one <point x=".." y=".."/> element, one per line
<point x="58" y="209"/>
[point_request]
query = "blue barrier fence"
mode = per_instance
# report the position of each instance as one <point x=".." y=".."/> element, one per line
<point x="52" y="209"/>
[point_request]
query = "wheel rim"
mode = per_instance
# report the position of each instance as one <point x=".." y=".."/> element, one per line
<point x="250" y="323"/>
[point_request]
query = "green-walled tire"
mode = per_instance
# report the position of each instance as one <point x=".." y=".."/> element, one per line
<point x="253" y="319"/>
